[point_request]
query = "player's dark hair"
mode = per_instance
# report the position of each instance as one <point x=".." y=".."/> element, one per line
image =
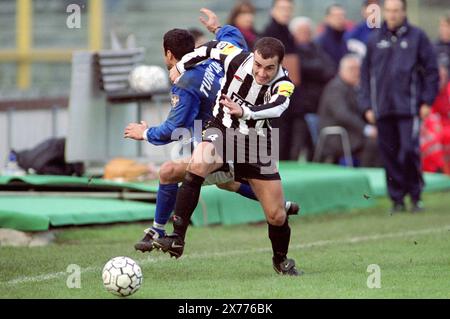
<point x="179" y="42"/>
<point x="269" y="47"/>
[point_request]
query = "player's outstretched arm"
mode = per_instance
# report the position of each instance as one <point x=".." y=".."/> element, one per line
<point x="184" y="110"/>
<point x="221" y="51"/>
<point x="135" y="131"/>
<point x="227" y="33"/>
<point x="211" y="22"/>
<point x="275" y="107"/>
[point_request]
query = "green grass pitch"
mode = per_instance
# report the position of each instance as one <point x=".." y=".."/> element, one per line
<point x="334" y="250"/>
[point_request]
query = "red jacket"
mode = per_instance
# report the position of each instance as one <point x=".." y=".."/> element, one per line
<point x="441" y="105"/>
<point x="435" y="135"/>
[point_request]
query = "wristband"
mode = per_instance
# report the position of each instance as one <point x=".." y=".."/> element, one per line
<point x="215" y="30"/>
<point x="144" y="136"/>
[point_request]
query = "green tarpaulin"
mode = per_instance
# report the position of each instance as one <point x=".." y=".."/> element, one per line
<point x="317" y="187"/>
<point x="31" y="213"/>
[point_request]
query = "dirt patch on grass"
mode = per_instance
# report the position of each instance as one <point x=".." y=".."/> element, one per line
<point x="11" y="237"/>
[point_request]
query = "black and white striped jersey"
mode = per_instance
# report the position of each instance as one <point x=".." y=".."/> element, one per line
<point x="259" y="102"/>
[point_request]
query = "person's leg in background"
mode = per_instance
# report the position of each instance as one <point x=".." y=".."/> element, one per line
<point x="370" y="155"/>
<point x="284" y="125"/>
<point x="389" y="144"/>
<point x="301" y="139"/>
<point x="409" y="158"/>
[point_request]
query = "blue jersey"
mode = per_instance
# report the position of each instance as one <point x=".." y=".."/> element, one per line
<point x="194" y="95"/>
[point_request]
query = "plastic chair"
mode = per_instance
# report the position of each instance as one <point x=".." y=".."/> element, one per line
<point x="345" y="142"/>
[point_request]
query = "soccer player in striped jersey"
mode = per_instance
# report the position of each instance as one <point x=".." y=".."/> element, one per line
<point x="255" y="89"/>
<point x="193" y="96"/>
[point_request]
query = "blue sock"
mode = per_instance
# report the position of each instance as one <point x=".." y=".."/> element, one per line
<point x="165" y="203"/>
<point x="246" y="191"/>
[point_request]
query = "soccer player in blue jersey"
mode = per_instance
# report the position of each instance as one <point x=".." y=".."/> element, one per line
<point x="192" y="98"/>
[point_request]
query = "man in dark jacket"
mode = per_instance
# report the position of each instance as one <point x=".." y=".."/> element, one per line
<point x="332" y="39"/>
<point x="358" y="37"/>
<point x="339" y="107"/>
<point x="317" y="69"/>
<point x="399" y="82"/>
<point x="281" y="14"/>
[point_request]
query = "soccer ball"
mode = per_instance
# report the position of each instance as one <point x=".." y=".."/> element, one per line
<point x="148" y="78"/>
<point x="122" y="276"/>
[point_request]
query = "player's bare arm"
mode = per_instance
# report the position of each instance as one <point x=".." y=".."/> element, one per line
<point x="211" y="22"/>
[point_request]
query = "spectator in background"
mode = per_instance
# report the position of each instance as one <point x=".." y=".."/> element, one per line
<point x="332" y="39"/>
<point x="281" y="15"/>
<point x="435" y="133"/>
<point x="242" y="16"/>
<point x="339" y="107"/>
<point x="443" y="43"/>
<point x="199" y="36"/>
<point x="357" y="38"/>
<point x="317" y="69"/>
<point x="399" y="82"/>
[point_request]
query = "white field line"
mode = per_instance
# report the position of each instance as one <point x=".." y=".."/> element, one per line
<point x="164" y="258"/>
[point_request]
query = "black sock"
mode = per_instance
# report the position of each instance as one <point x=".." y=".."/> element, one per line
<point x="187" y="200"/>
<point x="280" y="237"/>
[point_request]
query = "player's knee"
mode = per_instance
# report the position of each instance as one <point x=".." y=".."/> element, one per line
<point x="277" y="217"/>
<point x="198" y="169"/>
<point x="168" y="173"/>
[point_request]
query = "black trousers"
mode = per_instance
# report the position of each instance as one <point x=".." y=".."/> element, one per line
<point x="398" y="141"/>
<point x="294" y="137"/>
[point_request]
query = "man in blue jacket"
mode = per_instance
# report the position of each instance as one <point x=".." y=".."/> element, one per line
<point x="192" y="97"/>
<point x="332" y="39"/>
<point x="358" y="37"/>
<point x="399" y="82"/>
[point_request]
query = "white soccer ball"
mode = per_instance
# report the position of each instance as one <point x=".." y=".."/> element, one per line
<point x="122" y="276"/>
<point x="148" y="78"/>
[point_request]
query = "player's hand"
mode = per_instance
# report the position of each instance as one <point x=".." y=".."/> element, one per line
<point x="136" y="131"/>
<point x="174" y="74"/>
<point x="425" y="110"/>
<point x="370" y="117"/>
<point x="211" y="22"/>
<point x="233" y="108"/>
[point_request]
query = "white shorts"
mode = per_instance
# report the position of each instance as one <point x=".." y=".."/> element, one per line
<point x="220" y="177"/>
